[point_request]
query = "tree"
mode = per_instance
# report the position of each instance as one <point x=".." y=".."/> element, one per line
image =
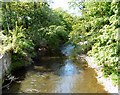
<point x="99" y="27"/>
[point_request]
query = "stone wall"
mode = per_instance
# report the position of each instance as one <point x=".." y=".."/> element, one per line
<point x="5" y="62"/>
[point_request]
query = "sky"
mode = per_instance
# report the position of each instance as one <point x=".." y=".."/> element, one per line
<point x="60" y="3"/>
<point x="64" y="5"/>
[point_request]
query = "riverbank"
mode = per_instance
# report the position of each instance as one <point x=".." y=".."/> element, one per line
<point x="106" y="82"/>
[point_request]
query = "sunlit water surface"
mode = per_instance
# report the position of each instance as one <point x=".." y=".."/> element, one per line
<point x="56" y="74"/>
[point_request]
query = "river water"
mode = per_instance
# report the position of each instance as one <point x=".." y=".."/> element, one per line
<point x="56" y="74"/>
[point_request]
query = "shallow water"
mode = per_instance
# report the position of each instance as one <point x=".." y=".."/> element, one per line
<point x="56" y="75"/>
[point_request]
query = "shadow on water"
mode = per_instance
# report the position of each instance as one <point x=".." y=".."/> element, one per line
<point x="20" y="75"/>
<point x="56" y="74"/>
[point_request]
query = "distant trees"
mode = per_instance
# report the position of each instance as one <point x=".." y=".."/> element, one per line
<point x="32" y="25"/>
<point x="29" y="26"/>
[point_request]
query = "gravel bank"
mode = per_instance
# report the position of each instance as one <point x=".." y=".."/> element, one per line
<point x="106" y="82"/>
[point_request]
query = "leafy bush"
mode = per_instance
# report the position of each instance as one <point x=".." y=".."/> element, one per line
<point x="22" y="48"/>
<point x="99" y="27"/>
<point x="30" y="26"/>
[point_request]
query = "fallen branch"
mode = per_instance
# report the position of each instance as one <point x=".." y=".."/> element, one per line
<point x="11" y="78"/>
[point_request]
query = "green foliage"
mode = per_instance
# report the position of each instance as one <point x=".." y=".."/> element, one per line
<point x="29" y="26"/>
<point x="56" y="36"/>
<point x="99" y="26"/>
<point x="94" y="33"/>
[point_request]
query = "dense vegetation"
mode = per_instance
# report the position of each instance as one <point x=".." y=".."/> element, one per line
<point x="96" y="34"/>
<point x="29" y="27"/>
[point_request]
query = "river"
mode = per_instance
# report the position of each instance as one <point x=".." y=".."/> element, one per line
<point x="56" y="74"/>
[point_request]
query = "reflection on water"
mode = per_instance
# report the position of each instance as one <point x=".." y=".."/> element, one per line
<point x="67" y="50"/>
<point x="56" y="75"/>
<point x="68" y="69"/>
<point x="65" y="85"/>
